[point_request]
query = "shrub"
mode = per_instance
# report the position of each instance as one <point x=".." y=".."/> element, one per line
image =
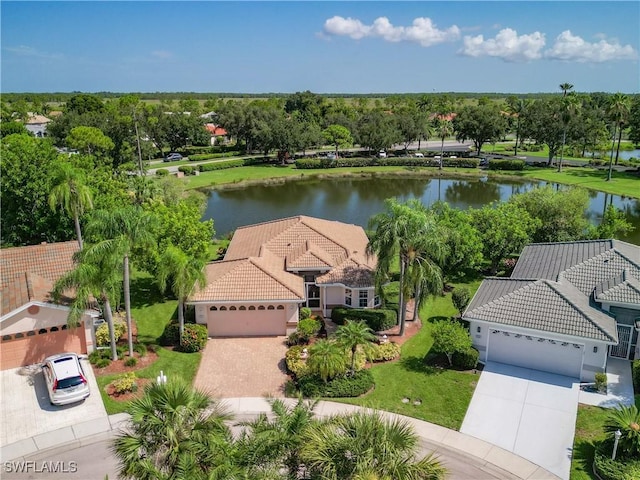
<point x="140" y="349"/>
<point x="152" y="347"/>
<point x="99" y="354"/>
<point x="467" y="359"/>
<point x="186" y="169"/>
<point x="449" y="338"/>
<point x="506" y="164"/>
<point x="102" y="333"/>
<point x="618" y="469"/>
<point x="377" y="320"/>
<point x="461" y="297"/>
<point x="125" y="383"/>
<point x="208" y="167"/>
<point x="307" y="328"/>
<point x="636" y="375"/>
<point x="194" y="338"/>
<point x="385" y="352"/>
<point x="340" y="387"/>
<point x="601" y="382"/>
<point x="171" y="334"/>
<point x="121" y="350"/>
<point x="162" y="172"/>
<point x="294" y="338"/>
<point x="295" y="364"/>
<point x="305" y="312"/>
<point x="103" y="362"/>
<point x="131" y="362"/>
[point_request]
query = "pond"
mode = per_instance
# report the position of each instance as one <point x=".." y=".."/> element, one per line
<point x="624" y="154"/>
<point x="355" y="200"/>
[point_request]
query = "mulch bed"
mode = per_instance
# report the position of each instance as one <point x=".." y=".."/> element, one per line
<point x="119" y="367"/>
<point x="127" y="396"/>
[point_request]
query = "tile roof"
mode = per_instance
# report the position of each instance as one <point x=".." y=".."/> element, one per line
<point x="28" y="273"/>
<point x="622" y="289"/>
<point x="546" y="306"/>
<point x="350" y="274"/>
<point x="260" y="257"/>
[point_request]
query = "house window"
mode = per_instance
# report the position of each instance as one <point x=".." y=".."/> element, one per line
<point x="271" y="307"/>
<point x="232" y="307"/>
<point x="252" y="307"/>
<point x="363" y="298"/>
<point x="347" y="296"/>
<point x="376" y="300"/>
<point x="213" y="309"/>
<point x="223" y="308"/>
<point x="280" y="307"/>
<point x="595" y="349"/>
<point x="261" y="307"/>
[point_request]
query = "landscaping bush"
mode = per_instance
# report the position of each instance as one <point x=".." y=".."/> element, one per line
<point x="152" y="347"/>
<point x="377" y="320"/>
<point x="162" y="172"/>
<point x="460" y="298"/>
<point x="618" y="469"/>
<point x="601" y="382"/>
<point x="340" y="387"/>
<point x="122" y="350"/>
<point x="636" y="375"/>
<point x="506" y="164"/>
<point x="467" y="359"/>
<point x="305" y="312"/>
<point x="102" y="362"/>
<point x="194" y="338"/>
<point x="186" y="169"/>
<point x="308" y="328"/>
<point x="99" y="354"/>
<point x="294" y="338"/>
<point x="208" y="167"/>
<point x="102" y="333"/>
<point x="295" y="364"/>
<point x="125" y="383"/>
<point x="131" y="362"/>
<point x="385" y="352"/>
<point x="140" y="349"/>
<point x="171" y="335"/>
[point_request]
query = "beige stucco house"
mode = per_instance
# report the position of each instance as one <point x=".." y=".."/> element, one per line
<point x="272" y="269"/>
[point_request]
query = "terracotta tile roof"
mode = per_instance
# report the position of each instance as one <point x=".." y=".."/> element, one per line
<point x="36" y="119"/>
<point x="260" y="256"/>
<point x="28" y="273"/>
<point x="350" y="274"/>
<point x="216" y="130"/>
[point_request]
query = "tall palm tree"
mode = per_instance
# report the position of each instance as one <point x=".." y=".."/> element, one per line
<point x="424" y="276"/>
<point x="183" y="272"/>
<point x="444" y="129"/>
<point x="570" y="105"/>
<point x="70" y="193"/>
<point x="326" y="359"/>
<point x="276" y="440"/>
<point x="352" y="335"/>
<point x="93" y="277"/>
<point x="565" y="87"/>
<point x="174" y="431"/>
<point x="618" y="111"/>
<point x="518" y="107"/>
<point x="367" y="446"/>
<point x="121" y="231"/>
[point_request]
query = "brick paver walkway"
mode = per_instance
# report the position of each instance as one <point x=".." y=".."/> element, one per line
<point x="243" y="367"/>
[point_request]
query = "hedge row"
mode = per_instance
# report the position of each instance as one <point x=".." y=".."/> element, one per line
<point x="506" y="164"/>
<point x="609" y="469"/>
<point x="208" y="167"/>
<point x="316" y="163"/>
<point x="377" y="320"/>
<point x="340" y="387"/>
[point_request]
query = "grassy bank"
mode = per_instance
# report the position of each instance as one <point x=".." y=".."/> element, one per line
<point x="622" y="183"/>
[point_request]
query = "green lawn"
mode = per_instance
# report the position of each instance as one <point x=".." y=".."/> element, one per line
<point x="445" y="394"/>
<point x="589" y="429"/>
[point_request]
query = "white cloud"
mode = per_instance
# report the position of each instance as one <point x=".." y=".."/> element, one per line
<point x="26" y="51"/>
<point x="422" y="31"/>
<point x="572" y="48"/>
<point x="507" y="45"/>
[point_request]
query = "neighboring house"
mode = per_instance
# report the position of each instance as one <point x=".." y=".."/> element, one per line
<point x="37" y="124"/>
<point x="217" y="131"/>
<point x="31" y="327"/>
<point x="565" y="309"/>
<point x="272" y="269"/>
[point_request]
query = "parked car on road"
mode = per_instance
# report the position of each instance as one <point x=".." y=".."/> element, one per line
<point x="418" y="155"/>
<point x="484" y="161"/>
<point x="172" y="157"/>
<point x="382" y="154"/>
<point x="65" y="379"/>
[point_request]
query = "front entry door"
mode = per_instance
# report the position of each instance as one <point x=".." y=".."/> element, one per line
<point x="313" y="296"/>
<point x="624" y="342"/>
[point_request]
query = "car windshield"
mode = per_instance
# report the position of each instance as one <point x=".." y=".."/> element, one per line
<point x="70" y="382"/>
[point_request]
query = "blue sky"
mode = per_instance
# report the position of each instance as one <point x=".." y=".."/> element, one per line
<point x="325" y="47"/>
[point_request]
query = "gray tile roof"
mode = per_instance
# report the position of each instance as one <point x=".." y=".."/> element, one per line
<point x="621" y="289"/>
<point x="542" y="305"/>
<point x="586" y="276"/>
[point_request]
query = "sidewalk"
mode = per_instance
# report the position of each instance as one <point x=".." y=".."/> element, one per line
<point x="86" y="433"/>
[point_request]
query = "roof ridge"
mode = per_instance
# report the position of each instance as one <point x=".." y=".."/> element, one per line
<point x="614" y="249"/>
<point x="566" y="242"/>
<point x="275" y="220"/>
<point x="302" y="220"/>
<point x="254" y="261"/>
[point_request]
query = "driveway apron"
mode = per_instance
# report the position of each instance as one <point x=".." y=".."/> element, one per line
<point x="527" y="412"/>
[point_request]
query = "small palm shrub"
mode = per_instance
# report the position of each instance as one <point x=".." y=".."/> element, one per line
<point x="125" y="383"/>
<point x="102" y="333"/>
<point x="627" y="420"/>
<point x="99" y="354"/>
<point x="102" y="363"/>
<point x="294" y="338"/>
<point x="384" y="352"/>
<point x="131" y="362"/>
<point x="140" y="349"/>
<point x="194" y="338"/>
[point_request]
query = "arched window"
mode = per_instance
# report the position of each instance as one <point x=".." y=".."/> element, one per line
<point x="252" y="307"/>
<point x="31" y="333"/>
<point x="280" y="307"/>
<point x="64" y="327"/>
<point x="214" y="309"/>
<point x="261" y="307"/>
<point x="232" y="307"/>
<point x="223" y="309"/>
<point x="271" y="307"/>
<point x="6" y="338"/>
<point x="54" y="329"/>
<point x="242" y="307"/>
<point x="42" y="331"/>
<point x="19" y="335"/>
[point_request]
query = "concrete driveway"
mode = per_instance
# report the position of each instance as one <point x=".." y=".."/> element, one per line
<point x="243" y="367"/>
<point x="26" y="411"/>
<point x="527" y="412"/>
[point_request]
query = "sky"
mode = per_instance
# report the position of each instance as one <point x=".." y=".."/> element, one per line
<point x="324" y="47"/>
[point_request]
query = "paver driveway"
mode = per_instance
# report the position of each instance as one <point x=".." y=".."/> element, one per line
<point x="527" y="412"/>
<point x="243" y="367"/>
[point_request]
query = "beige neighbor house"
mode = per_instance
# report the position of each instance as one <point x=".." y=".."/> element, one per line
<point x="273" y="269"/>
<point x="566" y="308"/>
<point x="31" y="327"/>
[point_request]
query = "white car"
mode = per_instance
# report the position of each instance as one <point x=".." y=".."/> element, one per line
<point x="65" y="379"/>
<point x="382" y="154"/>
<point x="418" y="155"/>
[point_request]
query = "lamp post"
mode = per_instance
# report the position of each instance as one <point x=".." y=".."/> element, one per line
<point x="617" y="434"/>
<point x="161" y="379"/>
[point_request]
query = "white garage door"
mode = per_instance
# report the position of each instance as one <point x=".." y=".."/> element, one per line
<point x="247" y="323"/>
<point x="563" y="358"/>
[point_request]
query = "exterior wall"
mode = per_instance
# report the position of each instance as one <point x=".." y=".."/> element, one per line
<point x="38" y="129"/>
<point x="250" y="319"/>
<point x="334" y="295"/>
<point x="479" y="338"/>
<point x="593" y="362"/>
<point x="627" y="316"/>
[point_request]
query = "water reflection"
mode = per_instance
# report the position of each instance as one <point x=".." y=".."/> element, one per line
<point x="355" y="200"/>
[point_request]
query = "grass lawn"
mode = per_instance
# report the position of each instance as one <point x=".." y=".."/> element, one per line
<point x="445" y="394"/>
<point x="589" y="429"/>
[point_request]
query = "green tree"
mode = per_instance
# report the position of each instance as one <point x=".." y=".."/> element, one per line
<point x="89" y="140"/>
<point x="570" y="106"/>
<point x="84" y="103"/>
<point x="182" y="272"/>
<point x="96" y="277"/>
<point x="618" y="111"/>
<point x="174" y="431"/>
<point x="566" y="88"/>
<point x="634" y="120"/>
<point x="120" y="232"/>
<point x="517" y="108"/>
<point x="614" y="224"/>
<point x="377" y="130"/>
<point x="481" y="123"/>
<point x="444" y="129"/>
<point x="543" y="123"/>
<point x="504" y="228"/>
<point x="353" y="335"/>
<point x="460" y="298"/>
<point x="449" y="338"/>
<point x="626" y="419"/>
<point x="338" y="136"/>
<point x="70" y="193"/>
<point x="326" y="359"/>
<point x="13" y="128"/>
<point x="367" y="445"/>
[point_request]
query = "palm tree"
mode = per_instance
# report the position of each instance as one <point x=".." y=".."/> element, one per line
<point x="367" y="446"/>
<point x="121" y="231"/>
<point x="92" y="277"/>
<point x="174" y="431"/>
<point x="326" y="359"/>
<point x="352" y="335"/>
<point x="570" y="105"/>
<point x="276" y="440"/>
<point x="444" y="129"/>
<point x="423" y="273"/>
<point x="618" y="111"/>
<point x="183" y="271"/>
<point x="70" y="193"/>
<point x="565" y="87"/>
<point x="518" y="107"/>
<point x="626" y="419"/>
